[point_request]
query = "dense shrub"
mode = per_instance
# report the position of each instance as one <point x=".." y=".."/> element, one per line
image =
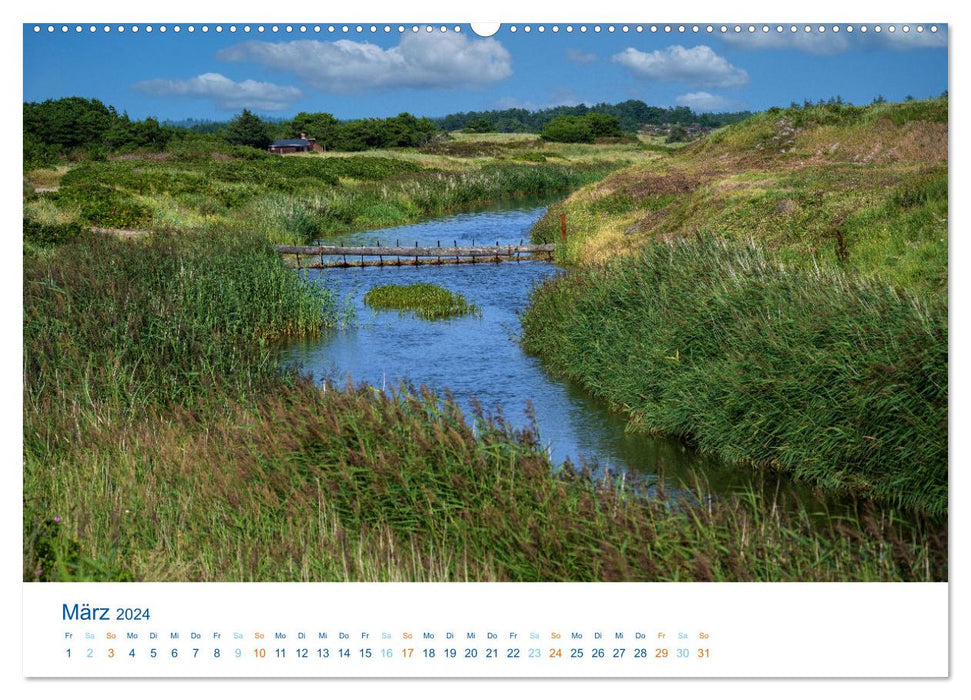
<point x="44" y="234"/>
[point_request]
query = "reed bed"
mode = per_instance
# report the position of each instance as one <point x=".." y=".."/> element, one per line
<point x="839" y="380"/>
<point x="162" y="443"/>
<point x="160" y="320"/>
<point x="352" y="484"/>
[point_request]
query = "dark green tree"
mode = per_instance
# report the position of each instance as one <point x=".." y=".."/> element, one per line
<point x="603" y="125"/>
<point x="68" y="123"/>
<point x="247" y="129"/>
<point x="75" y="126"/>
<point x="568" y="130"/>
<point x="479" y="126"/>
<point x="322" y="126"/>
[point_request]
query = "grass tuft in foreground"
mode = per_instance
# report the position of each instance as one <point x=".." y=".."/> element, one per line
<point x="428" y="301"/>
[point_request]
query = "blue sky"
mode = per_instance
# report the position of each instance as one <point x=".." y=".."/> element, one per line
<point x="213" y="75"/>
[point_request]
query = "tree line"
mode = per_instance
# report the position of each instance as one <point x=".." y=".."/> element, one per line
<point x="54" y="128"/>
<point x="247" y="129"/>
<point x="76" y="127"/>
<point x="631" y="114"/>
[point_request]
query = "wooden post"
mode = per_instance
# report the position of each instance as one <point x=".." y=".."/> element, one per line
<point x="563" y="227"/>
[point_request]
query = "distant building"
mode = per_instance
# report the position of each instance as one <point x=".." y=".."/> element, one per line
<point x="300" y="145"/>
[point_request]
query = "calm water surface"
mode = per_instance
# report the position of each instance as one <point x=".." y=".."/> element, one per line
<point x="479" y="359"/>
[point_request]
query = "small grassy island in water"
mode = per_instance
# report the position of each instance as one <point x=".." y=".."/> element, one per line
<point x="428" y="301"/>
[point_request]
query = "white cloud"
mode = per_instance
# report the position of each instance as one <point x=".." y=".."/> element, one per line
<point x="706" y="102"/>
<point x="578" y="56"/>
<point x="564" y="96"/>
<point x="227" y="93"/>
<point x="820" y="43"/>
<point x="698" y="66"/>
<point x="421" y="60"/>
<point x="829" y="42"/>
<point x="902" y="41"/>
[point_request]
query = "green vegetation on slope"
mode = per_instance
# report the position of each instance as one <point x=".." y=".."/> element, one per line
<point x="776" y="294"/>
<point x="288" y="199"/>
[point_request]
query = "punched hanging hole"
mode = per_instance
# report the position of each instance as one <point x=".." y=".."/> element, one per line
<point x="485" y="28"/>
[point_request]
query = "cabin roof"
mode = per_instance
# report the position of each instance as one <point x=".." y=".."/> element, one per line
<point x="290" y="142"/>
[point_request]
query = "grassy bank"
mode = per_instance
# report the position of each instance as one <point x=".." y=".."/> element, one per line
<point x="776" y="294"/>
<point x="136" y="323"/>
<point x="356" y="485"/>
<point x="841" y="382"/>
<point x="862" y="190"/>
<point x="298" y="199"/>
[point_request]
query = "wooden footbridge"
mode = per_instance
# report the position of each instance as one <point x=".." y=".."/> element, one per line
<point x="321" y="256"/>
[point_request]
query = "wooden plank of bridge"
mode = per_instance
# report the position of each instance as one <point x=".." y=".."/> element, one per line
<point x="416" y="251"/>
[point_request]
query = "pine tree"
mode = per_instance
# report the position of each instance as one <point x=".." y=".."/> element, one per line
<point x="247" y="129"/>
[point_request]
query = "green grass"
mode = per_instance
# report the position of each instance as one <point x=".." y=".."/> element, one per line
<point x="354" y="484"/>
<point x="138" y="323"/>
<point x="296" y="199"/>
<point x="862" y="190"/>
<point x="162" y="443"/>
<point x="428" y="301"/>
<point x="838" y="380"/>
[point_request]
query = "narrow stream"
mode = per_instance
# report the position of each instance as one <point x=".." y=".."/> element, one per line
<point x="480" y="360"/>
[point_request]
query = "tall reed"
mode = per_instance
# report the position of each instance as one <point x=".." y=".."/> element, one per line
<point x="355" y="484"/>
<point x="840" y="381"/>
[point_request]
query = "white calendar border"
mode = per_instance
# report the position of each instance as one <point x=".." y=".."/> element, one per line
<point x="506" y="10"/>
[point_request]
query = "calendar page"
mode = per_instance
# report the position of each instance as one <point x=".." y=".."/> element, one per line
<point x="381" y="349"/>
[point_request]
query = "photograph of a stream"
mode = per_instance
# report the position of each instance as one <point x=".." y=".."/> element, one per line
<point x="376" y="304"/>
<point x="479" y="359"/>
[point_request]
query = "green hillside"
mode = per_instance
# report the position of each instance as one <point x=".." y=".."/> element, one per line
<point x="775" y="294"/>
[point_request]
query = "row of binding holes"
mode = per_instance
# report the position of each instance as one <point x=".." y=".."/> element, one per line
<point x="401" y="29"/>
